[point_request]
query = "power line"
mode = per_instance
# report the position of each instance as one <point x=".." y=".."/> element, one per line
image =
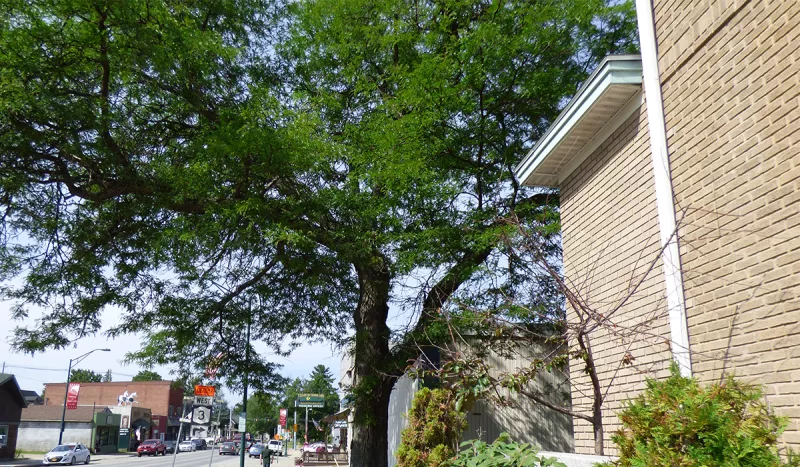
<point x="21" y="367"/>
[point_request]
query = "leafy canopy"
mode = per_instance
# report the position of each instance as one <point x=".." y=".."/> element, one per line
<point x="85" y="376"/>
<point x="147" y="375"/>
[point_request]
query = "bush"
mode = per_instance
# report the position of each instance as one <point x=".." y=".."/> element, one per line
<point x="434" y="429"/>
<point x="678" y="423"/>
<point x="502" y="453"/>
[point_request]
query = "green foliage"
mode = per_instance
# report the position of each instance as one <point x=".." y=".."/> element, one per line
<point x="503" y="452"/>
<point x="434" y="429"/>
<point x="262" y="413"/>
<point x="678" y="422"/>
<point x="85" y="376"/>
<point x="147" y="375"/>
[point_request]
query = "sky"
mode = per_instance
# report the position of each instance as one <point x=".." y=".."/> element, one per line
<point x="32" y="372"/>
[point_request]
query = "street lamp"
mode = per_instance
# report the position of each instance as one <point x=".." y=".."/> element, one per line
<point x="66" y="390"/>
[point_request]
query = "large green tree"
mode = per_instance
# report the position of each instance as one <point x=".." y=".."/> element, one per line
<point x="173" y="159"/>
<point x="146" y="375"/>
<point x="85" y="376"/>
<point x="426" y="109"/>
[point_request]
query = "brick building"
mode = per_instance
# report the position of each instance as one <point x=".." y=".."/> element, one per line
<point x="679" y="177"/>
<point x="12" y="402"/>
<point x="160" y="397"/>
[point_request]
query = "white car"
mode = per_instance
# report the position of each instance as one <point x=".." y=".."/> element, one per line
<point x="69" y="453"/>
<point x="275" y="445"/>
<point x="314" y="446"/>
<point x="187" y="446"/>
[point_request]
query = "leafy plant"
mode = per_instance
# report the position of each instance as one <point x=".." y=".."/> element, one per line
<point x="677" y="422"/>
<point x="434" y="429"/>
<point x="503" y="452"/>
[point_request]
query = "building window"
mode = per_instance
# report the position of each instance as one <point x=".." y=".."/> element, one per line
<point x="3" y="435"/>
<point x="171" y="410"/>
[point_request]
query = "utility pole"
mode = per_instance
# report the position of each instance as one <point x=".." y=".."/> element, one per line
<point x="243" y="415"/>
<point x="294" y="428"/>
<point x="306" y="433"/>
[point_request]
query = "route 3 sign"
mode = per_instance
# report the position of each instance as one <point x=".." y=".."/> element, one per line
<point x="201" y="415"/>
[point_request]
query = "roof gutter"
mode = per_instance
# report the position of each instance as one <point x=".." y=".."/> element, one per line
<point x="673" y="275"/>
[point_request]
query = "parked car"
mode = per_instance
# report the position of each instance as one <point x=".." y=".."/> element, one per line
<point x="170" y="446"/>
<point x="276" y="446"/>
<point x="314" y="447"/>
<point x="255" y="450"/>
<point x="200" y="443"/>
<point x="187" y="446"/>
<point x="151" y="447"/>
<point x="228" y="448"/>
<point x="69" y="453"/>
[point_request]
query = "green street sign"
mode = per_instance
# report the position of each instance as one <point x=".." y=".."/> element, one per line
<point x="314" y="401"/>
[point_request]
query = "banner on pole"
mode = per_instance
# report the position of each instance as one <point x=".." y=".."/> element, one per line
<point x="72" y="396"/>
<point x="284" y="416"/>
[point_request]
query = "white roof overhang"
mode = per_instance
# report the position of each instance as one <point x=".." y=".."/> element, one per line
<point x="610" y="95"/>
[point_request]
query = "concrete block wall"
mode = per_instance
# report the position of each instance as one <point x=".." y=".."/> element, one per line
<point x="611" y="258"/>
<point x="730" y="73"/>
<point x="43" y="436"/>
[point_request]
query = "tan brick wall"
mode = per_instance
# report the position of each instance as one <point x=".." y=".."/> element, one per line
<point x="610" y="241"/>
<point x="154" y="395"/>
<point x="732" y="101"/>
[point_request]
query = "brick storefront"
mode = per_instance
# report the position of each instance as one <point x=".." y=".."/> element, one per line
<point x="158" y="396"/>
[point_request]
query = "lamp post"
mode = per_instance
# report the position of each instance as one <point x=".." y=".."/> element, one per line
<point x="66" y="390"/>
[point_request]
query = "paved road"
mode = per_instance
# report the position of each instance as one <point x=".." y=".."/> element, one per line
<point x="184" y="459"/>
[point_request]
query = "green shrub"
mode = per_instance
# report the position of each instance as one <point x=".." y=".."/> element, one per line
<point x="433" y="432"/>
<point x="678" y="423"/>
<point x="502" y="453"/>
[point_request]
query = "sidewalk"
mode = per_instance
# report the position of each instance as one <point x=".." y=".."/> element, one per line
<point x="288" y="461"/>
<point x="34" y="460"/>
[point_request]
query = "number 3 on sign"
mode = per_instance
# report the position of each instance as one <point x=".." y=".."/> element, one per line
<point x="201" y="415"/>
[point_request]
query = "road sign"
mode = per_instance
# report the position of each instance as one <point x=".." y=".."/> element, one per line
<point x="207" y="391"/>
<point x="203" y="400"/>
<point x="201" y="415"/>
<point x="311" y="400"/>
<point x="242" y="421"/>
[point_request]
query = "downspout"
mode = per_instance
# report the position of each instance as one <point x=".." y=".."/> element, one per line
<point x="673" y="276"/>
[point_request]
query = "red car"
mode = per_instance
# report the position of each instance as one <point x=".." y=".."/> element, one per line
<point x="152" y="447"/>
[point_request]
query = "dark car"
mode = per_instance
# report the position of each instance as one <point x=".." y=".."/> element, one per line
<point x="152" y="447"/>
<point x="228" y="448"/>
<point x="170" y="446"/>
<point x="200" y="443"/>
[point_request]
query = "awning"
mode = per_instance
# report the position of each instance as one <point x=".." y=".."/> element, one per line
<point x="173" y="421"/>
<point x="141" y="423"/>
<point x="340" y="415"/>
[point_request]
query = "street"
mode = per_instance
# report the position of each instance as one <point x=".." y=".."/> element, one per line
<point x="185" y="459"/>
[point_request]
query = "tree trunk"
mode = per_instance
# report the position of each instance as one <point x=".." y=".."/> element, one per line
<point x="372" y="382"/>
<point x="597" y="391"/>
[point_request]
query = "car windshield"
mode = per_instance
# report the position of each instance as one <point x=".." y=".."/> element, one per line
<point x="186" y="442"/>
<point x="150" y="441"/>
<point x="62" y="448"/>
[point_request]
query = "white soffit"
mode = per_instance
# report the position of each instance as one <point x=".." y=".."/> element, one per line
<point x="612" y="90"/>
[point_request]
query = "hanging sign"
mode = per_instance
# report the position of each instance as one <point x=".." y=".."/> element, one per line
<point x="72" y="395"/>
<point x="284" y="416"/>
<point x="311" y="400"/>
